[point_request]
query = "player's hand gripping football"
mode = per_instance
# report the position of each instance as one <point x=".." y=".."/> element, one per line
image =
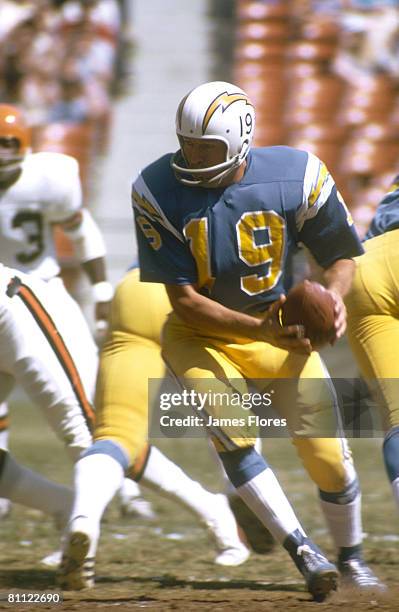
<point x="288" y="337"/>
<point x="340" y="315"/>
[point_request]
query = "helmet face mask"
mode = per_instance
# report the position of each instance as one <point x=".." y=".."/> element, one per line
<point x="216" y="111"/>
<point x="200" y="154"/>
<point x="14" y="141"/>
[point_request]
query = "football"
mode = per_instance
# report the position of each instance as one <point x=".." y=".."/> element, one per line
<point x="309" y="304"/>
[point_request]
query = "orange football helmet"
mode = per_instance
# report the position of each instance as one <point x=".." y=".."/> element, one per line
<point x="15" y="139"/>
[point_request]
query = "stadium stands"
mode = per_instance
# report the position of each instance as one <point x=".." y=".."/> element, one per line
<point x="308" y="66"/>
<point x="61" y="62"/>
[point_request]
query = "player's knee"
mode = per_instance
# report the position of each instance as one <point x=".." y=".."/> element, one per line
<point x="242" y="465"/>
<point x="390" y="451"/>
<point x="328" y="476"/>
<point x="325" y="464"/>
<point x="345" y="496"/>
<point x="110" y="448"/>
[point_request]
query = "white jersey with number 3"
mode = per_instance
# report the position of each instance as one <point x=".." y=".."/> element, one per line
<point x="48" y="191"/>
<point x="46" y="347"/>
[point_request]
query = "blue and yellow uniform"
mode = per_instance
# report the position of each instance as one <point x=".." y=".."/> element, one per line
<point x="373" y="307"/>
<point x="386" y="217"/>
<point x="233" y="244"/>
<point x="373" y="321"/>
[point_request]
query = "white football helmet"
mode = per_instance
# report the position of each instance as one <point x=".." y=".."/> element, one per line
<point x="217" y="111"/>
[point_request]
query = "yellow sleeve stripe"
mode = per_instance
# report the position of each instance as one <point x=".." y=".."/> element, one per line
<point x="144" y="201"/>
<point x="321" y="179"/>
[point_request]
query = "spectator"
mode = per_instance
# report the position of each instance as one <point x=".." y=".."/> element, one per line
<point x="72" y="105"/>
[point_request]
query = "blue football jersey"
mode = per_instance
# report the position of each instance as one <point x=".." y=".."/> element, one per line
<point x="386" y="217"/>
<point x="235" y="243"/>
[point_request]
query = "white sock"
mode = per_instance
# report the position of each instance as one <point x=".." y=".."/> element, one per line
<point x="344" y="521"/>
<point x="97" y="478"/>
<point x="266" y="499"/>
<point x="22" y="486"/>
<point x="395" y="490"/>
<point x="165" y="477"/>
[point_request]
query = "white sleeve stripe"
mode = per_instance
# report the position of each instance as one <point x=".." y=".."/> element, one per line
<point x="156" y="213"/>
<point x="315" y="195"/>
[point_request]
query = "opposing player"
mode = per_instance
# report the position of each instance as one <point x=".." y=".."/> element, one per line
<point x="54" y="361"/>
<point x="214" y="224"/>
<point x="129" y="358"/>
<point x="37" y="192"/>
<point x="52" y="356"/>
<point x="373" y="323"/>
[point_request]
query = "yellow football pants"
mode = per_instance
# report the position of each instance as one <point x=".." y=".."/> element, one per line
<point x="207" y="364"/>
<point x="373" y="322"/>
<point x="130" y="356"/>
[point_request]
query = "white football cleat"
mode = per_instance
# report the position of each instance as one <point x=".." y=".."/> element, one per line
<point x="233" y="556"/>
<point x="137" y="507"/>
<point x="223" y="527"/>
<point x="77" y="565"/>
<point x="5" y="507"/>
<point x="53" y="560"/>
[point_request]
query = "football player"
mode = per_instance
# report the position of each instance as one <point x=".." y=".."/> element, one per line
<point x="37" y="192"/>
<point x="130" y="357"/>
<point x="54" y="360"/>
<point x="215" y="223"/>
<point x="373" y="322"/>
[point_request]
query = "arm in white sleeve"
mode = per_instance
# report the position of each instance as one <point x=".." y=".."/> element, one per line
<point x="85" y="235"/>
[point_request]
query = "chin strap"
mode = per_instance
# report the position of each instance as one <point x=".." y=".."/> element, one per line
<point x="227" y="168"/>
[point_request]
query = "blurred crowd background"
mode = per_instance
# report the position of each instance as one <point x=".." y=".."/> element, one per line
<point x="64" y="62"/>
<point x="323" y="75"/>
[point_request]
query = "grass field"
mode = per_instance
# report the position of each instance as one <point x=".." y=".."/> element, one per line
<point x="167" y="565"/>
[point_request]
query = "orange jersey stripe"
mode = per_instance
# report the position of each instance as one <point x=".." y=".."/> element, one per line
<point x="58" y="345"/>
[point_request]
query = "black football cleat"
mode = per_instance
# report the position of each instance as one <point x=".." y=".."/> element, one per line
<point x="320" y="575"/>
<point x="357" y="575"/>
